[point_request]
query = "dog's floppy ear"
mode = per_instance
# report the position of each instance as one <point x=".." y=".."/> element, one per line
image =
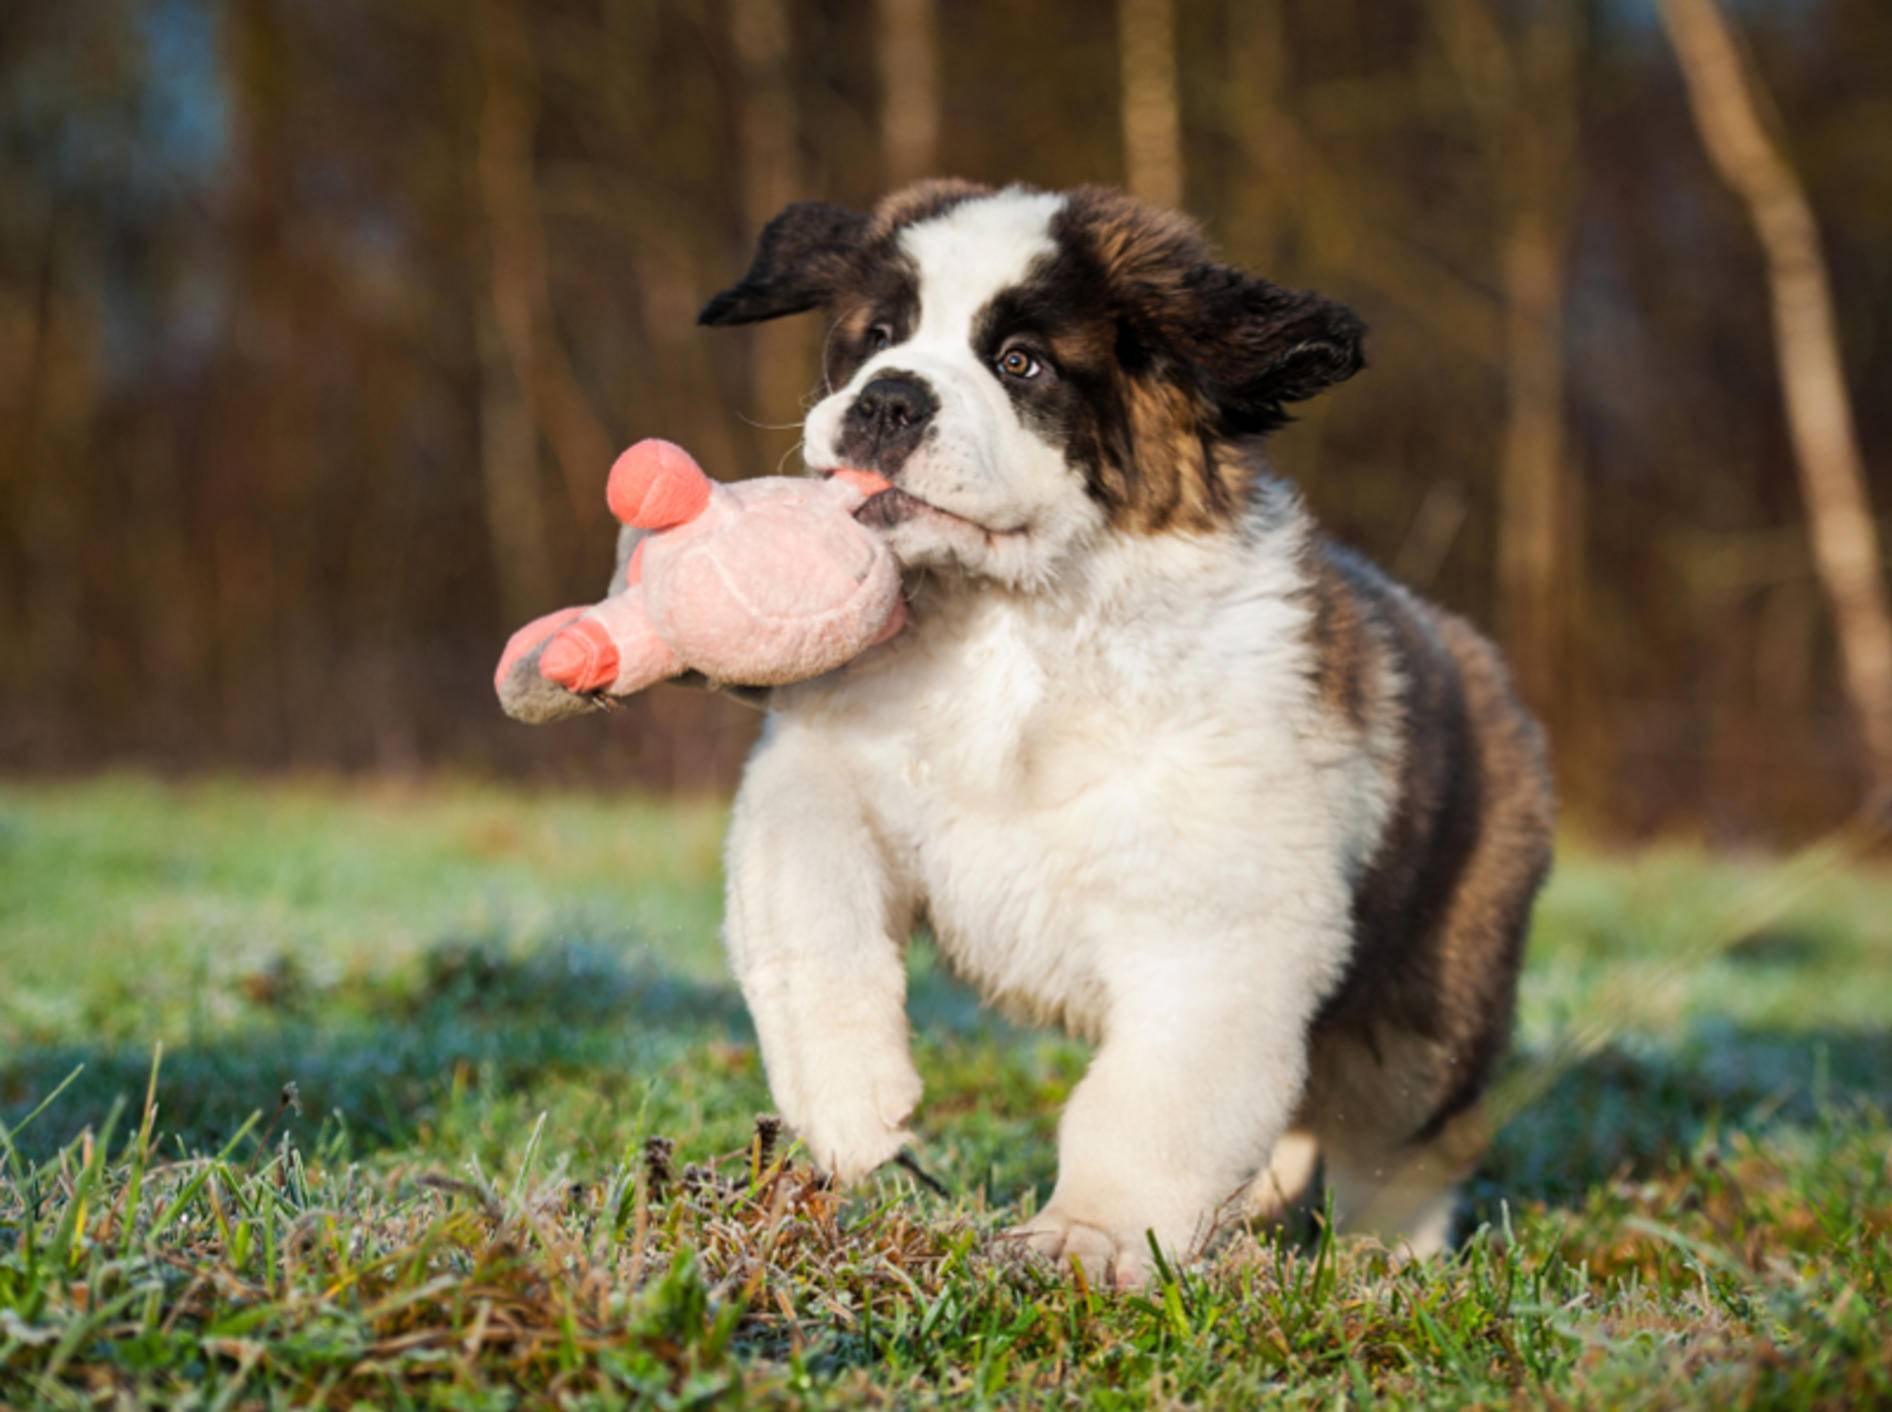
<point x="1262" y="346"/>
<point x="804" y="257"/>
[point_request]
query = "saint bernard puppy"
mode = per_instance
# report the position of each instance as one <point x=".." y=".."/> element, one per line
<point x="1154" y="761"/>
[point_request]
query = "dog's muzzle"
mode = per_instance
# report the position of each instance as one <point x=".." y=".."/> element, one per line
<point x="887" y="420"/>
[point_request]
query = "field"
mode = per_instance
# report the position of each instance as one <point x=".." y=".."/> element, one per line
<point x="332" y="1095"/>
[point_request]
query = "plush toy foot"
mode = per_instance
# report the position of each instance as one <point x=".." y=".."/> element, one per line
<point x="532" y="635"/>
<point x="524" y="693"/>
<point x="581" y="658"/>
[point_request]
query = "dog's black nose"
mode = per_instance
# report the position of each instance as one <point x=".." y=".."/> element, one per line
<point x="886" y="422"/>
<point x="892" y="404"/>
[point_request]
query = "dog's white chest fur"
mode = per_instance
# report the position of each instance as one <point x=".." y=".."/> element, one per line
<point x="1037" y="776"/>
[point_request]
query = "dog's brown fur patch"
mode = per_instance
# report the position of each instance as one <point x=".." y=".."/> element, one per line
<point x="1342" y="649"/>
<point x="1202" y="355"/>
<point x="1441" y="910"/>
<point x="1149" y="250"/>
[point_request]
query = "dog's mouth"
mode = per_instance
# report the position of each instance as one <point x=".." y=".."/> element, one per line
<point x="888" y="506"/>
<point x="894" y="506"/>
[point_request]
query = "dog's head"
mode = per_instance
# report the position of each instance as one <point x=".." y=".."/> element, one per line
<point x="1034" y="370"/>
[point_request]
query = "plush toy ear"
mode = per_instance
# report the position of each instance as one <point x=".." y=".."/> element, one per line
<point x="657" y="485"/>
<point x="1262" y="346"/>
<point x="803" y="259"/>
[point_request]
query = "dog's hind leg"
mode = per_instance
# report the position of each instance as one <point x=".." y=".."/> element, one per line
<point x="1286" y="1178"/>
<point x="1405" y="1195"/>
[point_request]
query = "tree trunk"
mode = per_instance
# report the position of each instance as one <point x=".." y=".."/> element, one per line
<point x="1257" y="92"/>
<point x="1537" y="155"/>
<point x="1846" y="548"/>
<point x="515" y="518"/>
<point x="1152" y="121"/>
<point x="521" y="284"/>
<point x="908" y="58"/>
<point x="779" y="353"/>
<point x="262" y="412"/>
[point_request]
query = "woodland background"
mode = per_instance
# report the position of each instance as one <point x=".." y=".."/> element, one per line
<point x="320" y="321"/>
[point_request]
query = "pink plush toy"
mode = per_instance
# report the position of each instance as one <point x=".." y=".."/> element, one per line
<point x="758" y="583"/>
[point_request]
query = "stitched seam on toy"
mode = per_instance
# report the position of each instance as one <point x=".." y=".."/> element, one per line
<point x="755" y="612"/>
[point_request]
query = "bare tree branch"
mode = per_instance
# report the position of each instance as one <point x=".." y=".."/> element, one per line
<point x="1725" y="101"/>
<point x="1356" y="231"/>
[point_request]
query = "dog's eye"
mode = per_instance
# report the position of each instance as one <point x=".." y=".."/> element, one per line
<point x="1017" y="363"/>
<point x="879" y="337"/>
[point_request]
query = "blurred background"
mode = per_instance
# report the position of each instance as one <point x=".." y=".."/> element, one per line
<point x="321" y="321"/>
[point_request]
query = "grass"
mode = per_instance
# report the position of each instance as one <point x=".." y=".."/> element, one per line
<point x="456" y="1107"/>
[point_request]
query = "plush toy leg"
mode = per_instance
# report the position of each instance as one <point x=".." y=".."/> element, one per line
<point x="657" y="485"/>
<point x="526" y="695"/>
<point x="613" y="648"/>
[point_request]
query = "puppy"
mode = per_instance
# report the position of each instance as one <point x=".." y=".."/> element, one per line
<point x="1154" y="760"/>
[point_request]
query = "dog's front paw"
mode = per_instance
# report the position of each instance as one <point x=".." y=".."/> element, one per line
<point x="1117" y="1259"/>
<point x="850" y="1135"/>
<point x="850" y="1150"/>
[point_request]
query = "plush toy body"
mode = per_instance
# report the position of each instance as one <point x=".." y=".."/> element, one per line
<point x="758" y="583"/>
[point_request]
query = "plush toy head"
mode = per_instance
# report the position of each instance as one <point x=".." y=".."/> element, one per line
<point x="760" y="583"/>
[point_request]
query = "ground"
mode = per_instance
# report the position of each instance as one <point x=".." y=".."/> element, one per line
<point x="329" y="1094"/>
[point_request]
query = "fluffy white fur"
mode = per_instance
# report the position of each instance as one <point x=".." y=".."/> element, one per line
<point x="1096" y="765"/>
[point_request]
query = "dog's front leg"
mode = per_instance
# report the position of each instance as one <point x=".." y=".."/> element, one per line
<point x="1203" y="1060"/>
<point x="816" y="931"/>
